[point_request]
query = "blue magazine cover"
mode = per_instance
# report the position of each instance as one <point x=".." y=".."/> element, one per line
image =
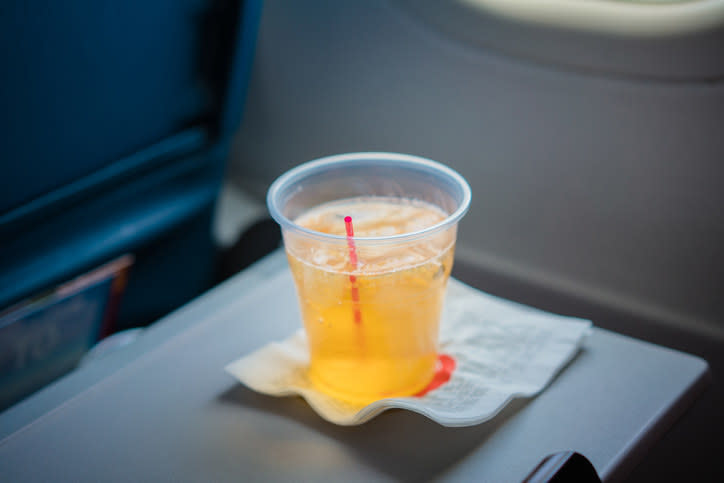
<point x="44" y="337"/>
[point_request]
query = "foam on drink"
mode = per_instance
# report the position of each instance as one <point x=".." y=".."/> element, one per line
<point x="373" y="217"/>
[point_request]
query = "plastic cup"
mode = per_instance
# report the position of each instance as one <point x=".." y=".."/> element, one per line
<point x="372" y="326"/>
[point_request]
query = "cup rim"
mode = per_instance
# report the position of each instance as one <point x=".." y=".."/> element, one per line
<point x="308" y="167"/>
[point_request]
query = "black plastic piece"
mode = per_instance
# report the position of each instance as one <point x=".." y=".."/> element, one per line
<point x="564" y="467"/>
<point x="260" y="239"/>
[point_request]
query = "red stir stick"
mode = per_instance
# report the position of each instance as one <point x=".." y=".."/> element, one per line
<point x="353" y="261"/>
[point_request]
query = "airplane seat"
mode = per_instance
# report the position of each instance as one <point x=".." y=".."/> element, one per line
<point x="117" y="123"/>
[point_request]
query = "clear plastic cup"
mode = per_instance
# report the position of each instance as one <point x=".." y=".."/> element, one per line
<point x="372" y="316"/>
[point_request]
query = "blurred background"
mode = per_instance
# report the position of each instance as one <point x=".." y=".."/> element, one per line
<point x="139" y="140"/>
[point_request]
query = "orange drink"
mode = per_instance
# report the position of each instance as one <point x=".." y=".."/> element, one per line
<point x="370" y="302"/>
<point x="392" y="348"/>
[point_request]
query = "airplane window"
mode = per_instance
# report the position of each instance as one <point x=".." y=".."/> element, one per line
<point x="631" y="17"/>
<point x="652" y="39"/>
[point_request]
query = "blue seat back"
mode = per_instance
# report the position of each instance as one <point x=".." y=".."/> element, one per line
<point x="116" y="124"/>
